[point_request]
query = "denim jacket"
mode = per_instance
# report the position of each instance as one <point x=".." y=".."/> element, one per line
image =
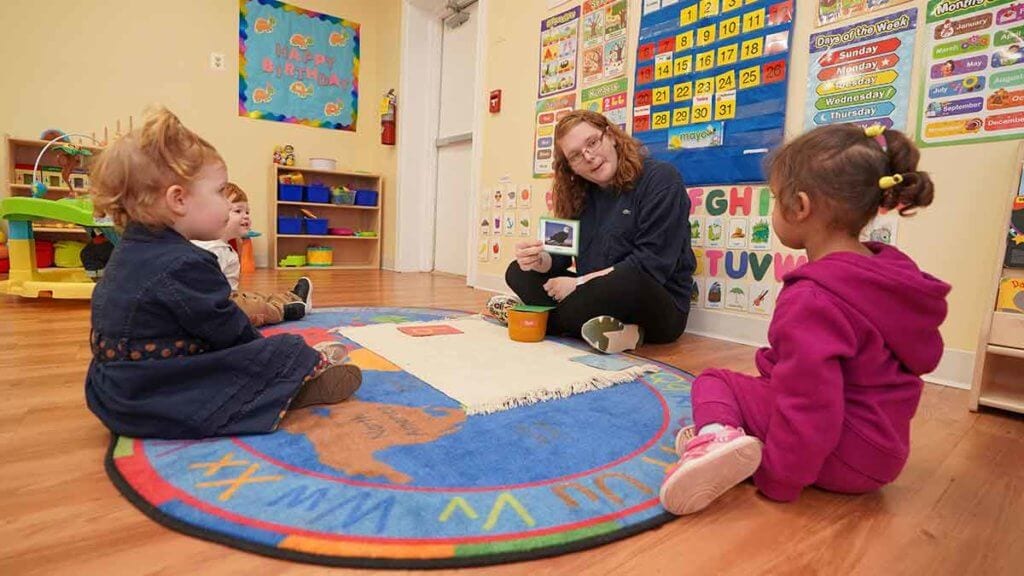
<point x="173" y="357"/>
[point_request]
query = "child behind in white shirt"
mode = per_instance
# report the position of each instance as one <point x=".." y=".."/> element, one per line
<point x="261" y="308"/>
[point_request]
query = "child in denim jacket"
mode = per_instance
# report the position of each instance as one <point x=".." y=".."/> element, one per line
<point x="173" y="357"/>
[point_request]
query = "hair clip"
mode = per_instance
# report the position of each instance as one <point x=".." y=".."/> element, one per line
<point x="887" y="182"/>
<point x="876" y="132"/>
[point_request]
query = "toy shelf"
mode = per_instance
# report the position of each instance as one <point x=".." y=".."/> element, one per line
<point x="21" y="153"/>
<point x="347" y="252"/>
<point x="328" y="237"/>
<point x="329" y="206"/>
<point x="999" y="359"/>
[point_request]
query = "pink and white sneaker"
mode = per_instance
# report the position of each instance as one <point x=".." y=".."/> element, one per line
<point x="685" y="435"/>
<point x="710" y="465"/>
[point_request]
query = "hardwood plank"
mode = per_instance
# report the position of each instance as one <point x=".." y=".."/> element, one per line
<point x="958" y="507"/>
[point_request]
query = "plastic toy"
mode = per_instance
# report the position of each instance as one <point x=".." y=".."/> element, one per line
<point x="68" y="156"/>
<point x="293" y="260"/>
<point x="319" y="256"/>
<point x="295" y="178"/>
<point x="26" y="279"/>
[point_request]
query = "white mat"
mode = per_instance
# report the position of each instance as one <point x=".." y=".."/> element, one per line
<point x="483" y="369"/>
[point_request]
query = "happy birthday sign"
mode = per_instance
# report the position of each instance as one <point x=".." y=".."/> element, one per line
<point x="297" y="66"/>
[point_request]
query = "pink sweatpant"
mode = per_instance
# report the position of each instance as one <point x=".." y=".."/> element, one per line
<point x="743" y="401"/>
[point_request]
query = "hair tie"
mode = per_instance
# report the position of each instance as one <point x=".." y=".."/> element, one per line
<point x="887" y="182"/>
<point x="876" y="132"/>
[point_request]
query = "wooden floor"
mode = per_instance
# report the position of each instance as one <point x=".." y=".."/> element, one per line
<point x="958" y="508"/>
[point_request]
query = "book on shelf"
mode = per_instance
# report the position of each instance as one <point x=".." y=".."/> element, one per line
<point x="1015" y="235"/>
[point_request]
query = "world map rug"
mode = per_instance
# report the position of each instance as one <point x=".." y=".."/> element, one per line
<point x="401" y="477"/>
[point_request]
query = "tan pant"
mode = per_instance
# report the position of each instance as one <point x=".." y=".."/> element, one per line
<point x="263" y="309"/>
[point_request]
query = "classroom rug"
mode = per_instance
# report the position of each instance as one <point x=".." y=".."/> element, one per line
<point x="503" y="373"/>
<point x="401" y="477"/>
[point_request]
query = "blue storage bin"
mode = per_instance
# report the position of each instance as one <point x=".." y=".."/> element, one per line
<point x="288" y="225"/>
<point x="366" y="197"/>
<point x="316" y="225"/>
<point x="289" y="192"/>
<point x="318" y="193"/>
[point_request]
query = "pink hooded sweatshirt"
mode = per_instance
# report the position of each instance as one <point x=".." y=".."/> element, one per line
<point x="850" y="339"/>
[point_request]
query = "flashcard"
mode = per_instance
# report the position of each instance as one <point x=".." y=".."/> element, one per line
<point x="525" y="195"/>
<point x="696" y="230"/>
<point x="435" y="330"/>
<point x="525" y="227"/>
<point x="738" y="233"/>
<point x="714" y="297"/>
<point x="736" y="297"/>
<point x="882" y="228"/>
<point x="760" y="234"/>
<point x="603" y="362"/>
<point x="713" y="232"/>
<point x="761" y="298"/>
<point x="560" y="236"/>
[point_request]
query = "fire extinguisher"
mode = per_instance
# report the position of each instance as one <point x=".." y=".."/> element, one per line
<point x="387" y="118"/>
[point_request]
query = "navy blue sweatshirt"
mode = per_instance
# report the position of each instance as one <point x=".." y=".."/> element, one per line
<point x="646" y="228"/>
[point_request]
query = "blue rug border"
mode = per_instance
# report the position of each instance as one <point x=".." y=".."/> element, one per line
<point x="172" y="523"/>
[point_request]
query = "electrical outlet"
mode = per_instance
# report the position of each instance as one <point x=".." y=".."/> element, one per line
<point x="216" y="61"/>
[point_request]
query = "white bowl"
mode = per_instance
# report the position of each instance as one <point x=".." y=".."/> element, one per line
<point x="322" y="163"/>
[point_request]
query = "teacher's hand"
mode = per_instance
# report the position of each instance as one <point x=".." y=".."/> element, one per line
<point x="530" y="255"/>
<point x="560" y="288"/>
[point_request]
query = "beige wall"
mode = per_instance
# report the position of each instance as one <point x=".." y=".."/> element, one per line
<point x="78" y="65"/>
<point x="955" y="239"/>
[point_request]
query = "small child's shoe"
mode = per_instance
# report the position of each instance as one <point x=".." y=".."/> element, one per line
<point x="335" y="384"/>
<point x="334" y="352"/>
<point x="293" y="311"/>
<point x="304" y="290"/>
<point x="711" y="464"/>
<point x="332" y="380"/>
<point x="685" y="435"/>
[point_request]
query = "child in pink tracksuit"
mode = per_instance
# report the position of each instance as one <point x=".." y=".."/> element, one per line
<point x="853" y="331"/>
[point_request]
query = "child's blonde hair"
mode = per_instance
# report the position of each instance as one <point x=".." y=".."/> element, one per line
<point x="129" y="178"/>
<point x="234" y="194"/>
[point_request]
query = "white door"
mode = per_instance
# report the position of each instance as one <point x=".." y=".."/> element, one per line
<point x="455" y="142"/>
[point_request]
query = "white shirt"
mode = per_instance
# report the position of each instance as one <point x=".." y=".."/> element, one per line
<point x="227" y="258"/>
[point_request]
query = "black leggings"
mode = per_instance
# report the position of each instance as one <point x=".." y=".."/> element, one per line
<point x="628" y="294"/>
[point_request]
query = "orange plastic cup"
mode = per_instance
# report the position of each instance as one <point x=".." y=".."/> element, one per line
<point x="526" y="326"/>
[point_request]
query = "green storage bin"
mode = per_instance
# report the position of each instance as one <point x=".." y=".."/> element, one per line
<point x="68" y="254"/>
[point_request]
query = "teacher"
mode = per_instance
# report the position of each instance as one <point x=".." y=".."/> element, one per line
<point x="634" y="269"/>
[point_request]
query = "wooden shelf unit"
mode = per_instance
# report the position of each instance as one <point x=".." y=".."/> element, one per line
<point x="999" y="360"/>
<point x="349" y="252"/>
<point x="23" y="152"/>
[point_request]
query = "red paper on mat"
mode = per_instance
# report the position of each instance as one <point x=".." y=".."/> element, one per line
<point x="436" y="330"/>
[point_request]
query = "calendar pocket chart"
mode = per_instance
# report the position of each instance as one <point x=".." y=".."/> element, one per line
<point x="710" y="91"/>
